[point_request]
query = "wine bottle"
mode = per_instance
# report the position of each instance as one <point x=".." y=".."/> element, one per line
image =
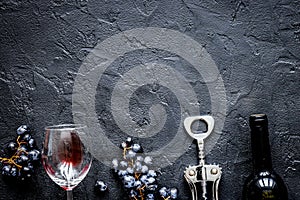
<point x="264" y="182"/>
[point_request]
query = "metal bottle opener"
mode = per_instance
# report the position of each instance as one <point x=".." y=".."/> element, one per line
<point x="202" y="173"/>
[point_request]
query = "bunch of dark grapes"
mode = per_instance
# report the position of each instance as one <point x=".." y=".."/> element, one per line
<point x="22" y="156"/>
<point x="138" y="180"/>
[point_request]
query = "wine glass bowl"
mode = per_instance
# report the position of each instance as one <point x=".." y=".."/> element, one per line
<point x="65" y="156"/>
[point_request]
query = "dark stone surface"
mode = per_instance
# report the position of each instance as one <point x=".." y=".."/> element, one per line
<point x="255" y="45"/>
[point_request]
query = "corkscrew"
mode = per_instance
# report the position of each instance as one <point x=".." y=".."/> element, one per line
<point x="204" y="174"/>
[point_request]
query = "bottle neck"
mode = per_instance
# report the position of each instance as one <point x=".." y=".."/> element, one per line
<point x="261" y="152"/>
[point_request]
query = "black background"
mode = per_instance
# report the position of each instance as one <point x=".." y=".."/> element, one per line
<point x="255" y="45"/>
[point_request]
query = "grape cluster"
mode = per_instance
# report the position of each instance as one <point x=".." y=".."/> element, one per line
<point x="139" y="181"/>
<point x="22" y="156"/>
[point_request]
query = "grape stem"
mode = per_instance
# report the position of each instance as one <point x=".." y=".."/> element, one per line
<point x="12" y="159"/>
<point x="124" y="151"/>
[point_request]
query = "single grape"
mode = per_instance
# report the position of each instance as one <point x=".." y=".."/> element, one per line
<point x="138" y="166"/>
<point x="100" y="186"/>
<point x="152" y="173"/>
<point x="22" y="159"/>
<point x="12" y="147"/>
<point x="23" y="148"/>
<point x="152" y="187"/>
<point x="115" y="163"/>
<point x="128" y="181"/>
<point x="23" y="129"/>
<point x="30" y="165"/>
<point x="130" y="154"/>
<point x="129" y="141"/>
<point x="26" y="137"/>
<point x="6" y="170"/>
<point x="144" y="169"/>
<point x="25" y="173"/>
<point x="133" y="193"/>
<point x="143" y="178"/>
<point x="139" y="158"/>
<point x="34" y="155"/>
<point x="137" y="148"/>
<point x="123" y="145"/>
<point x="173" y="193"/>
<point x="137" y="184"/>
<point x="130" y="170"/>
<point x="150" y="197"/>
<point x="32" y="143"/>
<point x="150" y="181"/>
<point x="148" y="160"/>
<point x="123" y="163"/>
<point x="163" y="192"/>
<point x="14" y="171"/>
<point x="122" y="173"/>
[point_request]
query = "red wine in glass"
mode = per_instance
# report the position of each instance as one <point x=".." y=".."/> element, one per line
<point x="65" y="156"/>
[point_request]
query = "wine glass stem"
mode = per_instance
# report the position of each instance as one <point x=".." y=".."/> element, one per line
<point x="69" y="195"/>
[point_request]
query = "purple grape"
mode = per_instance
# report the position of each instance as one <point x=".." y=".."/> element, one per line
<point x="26" y="137"/>
<point x="34" y="155"/>
<point x="137" y="148"/>
<point x="12" y="147"/>
<point x="100" y="186"/>
<point x="26" y="173"/>
<point x="22" y="159"/>
<point x="32" y="143"/>
<point x="163" y="192"/>
<point x="23" y="130"/>
<point x="128" y="181"/>
<point x="133" y="193"/>
<point x="173" y="193"/>
<point x="14" y="171"/>
<point x="152" y="173"/>
<point x="129" y="141"/>
<point x="6" y="170"/>
<point x="150" y="197"/>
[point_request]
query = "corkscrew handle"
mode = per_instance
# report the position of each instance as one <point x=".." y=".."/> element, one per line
<point x="209" y="120"/>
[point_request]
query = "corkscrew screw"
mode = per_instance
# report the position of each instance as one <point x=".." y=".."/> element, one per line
<point x="205" y="174"/>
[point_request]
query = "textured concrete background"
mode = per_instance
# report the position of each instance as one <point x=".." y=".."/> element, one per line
<point x="255" y="45"/>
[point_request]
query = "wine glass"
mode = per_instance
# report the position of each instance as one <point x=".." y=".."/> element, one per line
<point x="65" y="156"/>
